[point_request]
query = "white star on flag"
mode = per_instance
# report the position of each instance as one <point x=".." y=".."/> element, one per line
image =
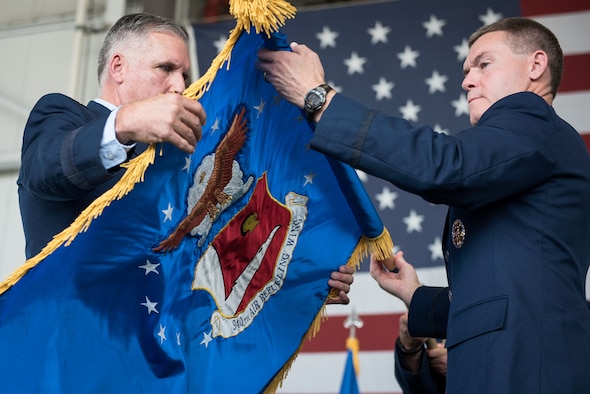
<point x="379" y="33"/>
<point x="220" y="43"/>
<point x="434" y="26"/>
<point x="436" y="82"/>
<point x="150" y="267"/>
<point x="206" y="339"/>
<point x="151" y="306"/>
<point x="490" y="17"/>
<point x="386" y="198"/>
<point x="383" y="89"/>
<point x="355" y="63"/>
<point x="162" y="334"/>
<point x="413" y="222"/>
<point x="168" y="212"/>
<point x="327" y="38"/>
<point x="436" y="249"/>
<point x="461" y="105"/>
<point x="408" y="57"/>
<point x="410" y="111"/>
<point x="462" y="50"/>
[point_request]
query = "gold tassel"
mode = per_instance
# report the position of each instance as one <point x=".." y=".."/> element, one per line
<point x="265" y="16"/>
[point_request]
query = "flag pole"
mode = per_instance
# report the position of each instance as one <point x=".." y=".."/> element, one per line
<point x="352" y="322"/>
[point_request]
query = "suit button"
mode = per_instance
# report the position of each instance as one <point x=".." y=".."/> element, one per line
<point x="450" y="295"/>
<point x="446" y="256"/>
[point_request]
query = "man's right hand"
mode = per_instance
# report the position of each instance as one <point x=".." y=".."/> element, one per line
<point x="401" y="283"/>
<point x="169" y="117"/>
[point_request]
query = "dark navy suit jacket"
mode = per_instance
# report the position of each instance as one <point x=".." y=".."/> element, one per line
<point x="61" y="170"/>
<point x="425" y="381"/>
<point x="517" y="243"/>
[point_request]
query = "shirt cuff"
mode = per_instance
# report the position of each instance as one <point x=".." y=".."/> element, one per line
<point x="112" y="152"/>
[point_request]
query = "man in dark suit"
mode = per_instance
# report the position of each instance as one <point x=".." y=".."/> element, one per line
<point x="516" y="241"/>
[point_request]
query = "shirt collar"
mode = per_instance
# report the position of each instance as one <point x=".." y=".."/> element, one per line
<point x="105" y="103"/>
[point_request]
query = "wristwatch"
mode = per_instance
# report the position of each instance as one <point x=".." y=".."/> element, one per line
<point x="315" y="99"/>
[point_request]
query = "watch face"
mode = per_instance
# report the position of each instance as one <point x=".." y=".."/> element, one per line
<point x="313" y="101"/>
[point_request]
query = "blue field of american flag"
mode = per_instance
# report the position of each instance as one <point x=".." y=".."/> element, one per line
<point x="405" y="57"/>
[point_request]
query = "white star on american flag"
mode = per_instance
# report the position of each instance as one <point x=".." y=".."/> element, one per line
<point x="379" y="33"/>
<point x="461" y="105"/>
<point x="408" y="57"/>
<point x="413" y="222"/>
<point x="436" y="249"/>
<point x="220" y="43"/>
<point x="436" y="82"/>
<point x="438" y="128"/>
<point x="462" y="50"/>
<point x="327" y="38"/>
<point x="383" y="89"/>
<point x="490" y="17"/>
<point x="386" y="198"/>
<point x="410" y="111"/>
<point x="355" y="63"/>
<point x="434" y="26"/>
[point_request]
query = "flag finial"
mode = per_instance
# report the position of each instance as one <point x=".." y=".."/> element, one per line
<point x="352" y="322"/>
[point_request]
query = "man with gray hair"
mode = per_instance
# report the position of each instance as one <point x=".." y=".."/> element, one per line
<point x="71" y="152"/>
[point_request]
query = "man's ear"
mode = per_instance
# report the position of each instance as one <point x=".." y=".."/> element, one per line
<point x="117" y="67"/>
<point x="539" y="65"/>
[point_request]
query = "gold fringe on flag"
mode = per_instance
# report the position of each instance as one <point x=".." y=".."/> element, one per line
<point x="381" y="247"/>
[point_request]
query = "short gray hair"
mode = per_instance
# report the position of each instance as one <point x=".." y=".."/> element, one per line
<point x="133" y="27"/>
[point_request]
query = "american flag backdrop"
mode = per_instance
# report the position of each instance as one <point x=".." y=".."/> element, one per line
<point x="405" y="57"/>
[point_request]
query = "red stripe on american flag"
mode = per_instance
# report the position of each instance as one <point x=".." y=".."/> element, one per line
<point x="378" y="333"/>
<point x="576" y="74"/>
<point x="540" y="7"/>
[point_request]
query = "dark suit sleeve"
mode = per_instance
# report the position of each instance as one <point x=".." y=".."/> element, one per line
<point x="423" y="382"/>
<point x="428" y="312"/>
<point x="468" y="169"/>
<point x="60" y="153"/>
